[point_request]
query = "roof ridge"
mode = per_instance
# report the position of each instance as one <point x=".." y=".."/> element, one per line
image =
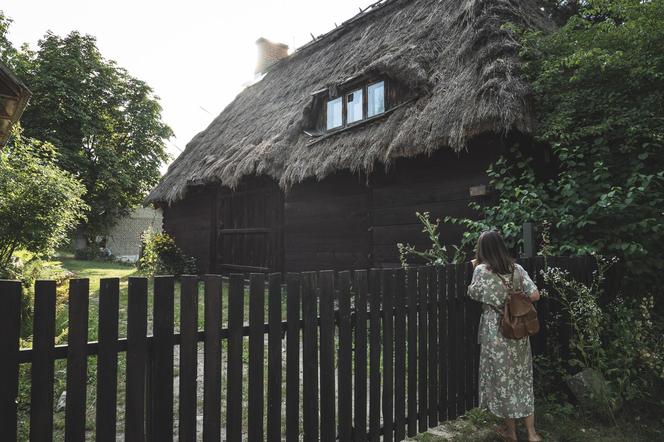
<point x="345" y="25"/>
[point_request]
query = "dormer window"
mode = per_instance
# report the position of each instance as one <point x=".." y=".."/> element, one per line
<point x="355" y="105"/>
<point x="376" y="98"/>
<point x="334" y="114"/>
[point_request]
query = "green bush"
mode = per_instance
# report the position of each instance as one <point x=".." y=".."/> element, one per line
<point x="93" y="252"/>
<point x="28" y="271"/>
<point x="437" y="254"/>
<point x="39" y="202"/>
<point x="161" y="256"/>
<point x="598" y="91"/>
<point x="621" y="340"/>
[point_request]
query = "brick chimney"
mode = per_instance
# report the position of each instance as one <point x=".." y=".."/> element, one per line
<point x="269" y="53"/>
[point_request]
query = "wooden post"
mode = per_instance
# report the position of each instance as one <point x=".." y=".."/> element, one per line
<point x="41" y="394"/>
<point x="212" y="360"/>
<point x="77" y="360"/>
<point x="528" y="240"/>
<point x="137" y="311"/>
<point x="10" y="324"/>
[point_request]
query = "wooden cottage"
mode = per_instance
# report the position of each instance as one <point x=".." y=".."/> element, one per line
<point x="13" y="99"/>
<point x="323" y="162"/>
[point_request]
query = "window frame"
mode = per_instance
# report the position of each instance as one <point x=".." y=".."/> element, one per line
<point x="349" y="89"/>
<point x="343" y="113"/>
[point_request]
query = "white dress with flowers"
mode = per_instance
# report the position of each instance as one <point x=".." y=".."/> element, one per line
<point x="506" y="368"/>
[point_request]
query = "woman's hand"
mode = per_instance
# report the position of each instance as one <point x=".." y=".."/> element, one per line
<point x="535" y="296"/>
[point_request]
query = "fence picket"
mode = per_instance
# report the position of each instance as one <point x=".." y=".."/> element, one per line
<point x="360" y="408"/>
<point x="309" y="357"/>
<point x="293" y="358"/>
<point x="452" y="317"/>
<point x="137" y="311"/>
<point x="432" y="307"/>
<point x="443" y="344"/>
<point x="423" y="357"/>
<point x="188" y="357"/>
<point x="256" y="355"/>
<point x="234" y="376"/>
<point x="10" y="326"/>
<point x="77" y="360"/>
<point x="411" y="280"/>
<point x="469" y="337"/>
<point x="327" y="384"/>
<point x="388" y="354"/>
<point x="399" y="356"/>
<point x="162" y="359"/>
<point x="460" y="378"/>
<point x="374" y="354"/>
<point x="345" y="379"/>
<point x="41" y="394"/>
<point x="274" y="358"/>
<point x="107" y="359"/>
<point x="212" y="309"/>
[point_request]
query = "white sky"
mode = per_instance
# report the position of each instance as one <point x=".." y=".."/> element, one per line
<point x="196" y="54"/>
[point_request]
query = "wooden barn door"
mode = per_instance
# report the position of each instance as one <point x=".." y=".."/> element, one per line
<point x="250" y="227"/>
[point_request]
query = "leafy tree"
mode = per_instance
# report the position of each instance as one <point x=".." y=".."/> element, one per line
<point x="599" y="94"/>
<point x="561" y="10"/>
<point x="39" y="202"/>
<point x="7" y="50"/>
<point x="105" y="124"/>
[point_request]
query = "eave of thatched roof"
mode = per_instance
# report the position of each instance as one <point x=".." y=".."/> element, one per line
<point x="14" y="97"/>
<point x="457" y="54"/>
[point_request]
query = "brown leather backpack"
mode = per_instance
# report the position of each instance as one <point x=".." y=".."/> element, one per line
<point x="518" y="317"/>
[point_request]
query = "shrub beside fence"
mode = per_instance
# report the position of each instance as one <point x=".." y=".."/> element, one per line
<point x="385" y="353"/>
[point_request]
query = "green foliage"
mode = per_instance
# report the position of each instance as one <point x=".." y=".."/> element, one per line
<point x="582" y="303"/>
<point x="161" y="256"/>
<point x="636" y="349"/>
<point x="599" y="89"/>
<point x="39" y="202"/>
<point x="437" y="254"/>
<point x="521" y="198"/>
<point x="105" y="124"/>
<point x="622" y="340"/>
<point x="27" y="270"/>
<point x="599" y="98"/>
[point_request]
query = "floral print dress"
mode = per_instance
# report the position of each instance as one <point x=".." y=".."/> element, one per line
<point x="506" y="368"/>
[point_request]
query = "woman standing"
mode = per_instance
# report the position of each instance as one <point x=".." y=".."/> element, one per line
<point x="506" y="369"/>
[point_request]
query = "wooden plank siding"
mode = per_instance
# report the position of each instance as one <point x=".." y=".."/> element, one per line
<point x="347" y="220"/>
<point x="189" y="222"/>
<point x="326" y="224"/>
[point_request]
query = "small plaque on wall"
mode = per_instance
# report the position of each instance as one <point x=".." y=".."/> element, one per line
<point x="480" y="190"/>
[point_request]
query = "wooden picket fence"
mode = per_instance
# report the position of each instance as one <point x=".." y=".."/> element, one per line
<point x="370" y="354"/>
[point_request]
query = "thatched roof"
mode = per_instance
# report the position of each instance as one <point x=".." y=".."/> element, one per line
<point x="13" y="99"/>
<point x="457" y="53"/>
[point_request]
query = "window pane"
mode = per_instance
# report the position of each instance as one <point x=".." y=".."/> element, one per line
<point x="354" y="106"/>
<point x="334" y="108"/>
<point x="376" y="99"/>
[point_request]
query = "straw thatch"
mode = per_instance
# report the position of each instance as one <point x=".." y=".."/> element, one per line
<point x="457" y="54"/>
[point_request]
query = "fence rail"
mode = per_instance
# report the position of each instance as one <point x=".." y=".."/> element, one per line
<point x="369" y="354"/>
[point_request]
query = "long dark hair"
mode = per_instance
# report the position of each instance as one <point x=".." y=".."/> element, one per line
<point x="492" y="251"/>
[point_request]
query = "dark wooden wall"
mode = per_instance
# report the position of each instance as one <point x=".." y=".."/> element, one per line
<point x="439" y="184"/>
<point x="249" y="227"/>
<point x="189" y="222"/>
<point x="326" y="224"/>
<point x="345" y="221"/>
